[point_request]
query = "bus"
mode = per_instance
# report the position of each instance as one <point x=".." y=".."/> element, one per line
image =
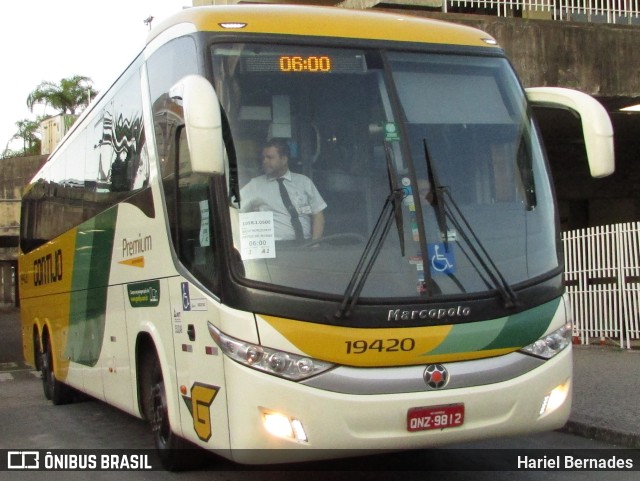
<point x="427" y="309"/>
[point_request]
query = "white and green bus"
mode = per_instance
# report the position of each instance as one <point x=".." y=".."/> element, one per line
<point x="431" y="308"/>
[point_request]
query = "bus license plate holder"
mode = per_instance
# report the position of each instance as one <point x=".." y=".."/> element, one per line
<point x="435" y="417"/>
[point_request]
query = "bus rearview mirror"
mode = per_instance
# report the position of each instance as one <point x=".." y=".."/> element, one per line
<point x="203" y="124"/>
<point x="596" y="124"/>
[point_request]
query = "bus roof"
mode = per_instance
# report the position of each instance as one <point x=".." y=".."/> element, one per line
<point x="325" y="22"/>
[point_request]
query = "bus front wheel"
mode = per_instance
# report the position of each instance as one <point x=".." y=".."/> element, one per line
<point x="170" y="447"/>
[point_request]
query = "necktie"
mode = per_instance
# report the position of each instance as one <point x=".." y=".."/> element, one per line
<point x="295" y="221"/>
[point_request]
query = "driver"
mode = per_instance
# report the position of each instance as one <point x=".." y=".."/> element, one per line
<point x="293" y="198"/>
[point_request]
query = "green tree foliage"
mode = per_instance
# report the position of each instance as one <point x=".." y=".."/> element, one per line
<point x="67" y="97"/>
<point x="27" y="131"/>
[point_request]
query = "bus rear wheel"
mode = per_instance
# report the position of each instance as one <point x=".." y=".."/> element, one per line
<point x="55" y="391"/>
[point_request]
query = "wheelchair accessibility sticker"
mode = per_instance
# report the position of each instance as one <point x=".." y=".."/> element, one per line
<point x="442" y="257"/>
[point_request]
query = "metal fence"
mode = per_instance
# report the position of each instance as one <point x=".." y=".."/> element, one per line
<point x="596" y="11"/>
<point x="602" y="273"/>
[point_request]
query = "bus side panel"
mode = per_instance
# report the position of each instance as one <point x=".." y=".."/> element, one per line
<point x="64" y="292"/>
<point x="115" y="359"/>
<point x="94" y="245"/>
<point x="45" y="283"/>
<point x="138" y="302"/>
<point x="199" y="367"/>
<point x="146" y="306"/>
<point x="49" y="316"/>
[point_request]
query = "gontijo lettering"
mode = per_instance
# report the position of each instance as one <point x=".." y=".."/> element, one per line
<point x="48" y="268"/>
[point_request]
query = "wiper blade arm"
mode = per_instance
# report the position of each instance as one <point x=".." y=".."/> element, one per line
<point x="392" y="209"/>
<point x="369" y="256"/>
<point x="444" y="202"/>
<point x="438" y="199"/>
<point x="489" y="266"/>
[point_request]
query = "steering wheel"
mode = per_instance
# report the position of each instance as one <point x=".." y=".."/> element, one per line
<point x="345" y="238"/>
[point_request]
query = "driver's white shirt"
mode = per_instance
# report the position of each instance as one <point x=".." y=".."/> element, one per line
<point x="262" y="194"/>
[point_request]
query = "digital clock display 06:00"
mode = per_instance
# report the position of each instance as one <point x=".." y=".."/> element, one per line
<point x="311" y="63"/>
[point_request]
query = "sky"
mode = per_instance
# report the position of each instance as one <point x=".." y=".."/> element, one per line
<point x="55" y="39"/>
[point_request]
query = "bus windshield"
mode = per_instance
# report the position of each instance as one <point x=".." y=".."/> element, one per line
<point x="446" y="138"/>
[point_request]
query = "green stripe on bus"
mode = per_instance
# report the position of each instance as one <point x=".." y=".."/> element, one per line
<point x="506" y="332"/>
<point x="92" y="264"/>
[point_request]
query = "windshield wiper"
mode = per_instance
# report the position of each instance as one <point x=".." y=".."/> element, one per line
<point x="392" y="209"/>
<point x="446" y="206"/>
<point x="437" y="201"/>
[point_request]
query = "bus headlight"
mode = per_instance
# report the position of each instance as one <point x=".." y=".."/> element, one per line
<point x="279" y="363"/>
<point x="548" y="346"/>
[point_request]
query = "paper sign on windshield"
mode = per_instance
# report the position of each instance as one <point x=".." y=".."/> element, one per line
<point x="257" y="235"/>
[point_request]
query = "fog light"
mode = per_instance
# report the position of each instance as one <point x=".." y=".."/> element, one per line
<point x="283" y="427"/>
<point x="298" y="430"/>
<point x="555" y="398"/>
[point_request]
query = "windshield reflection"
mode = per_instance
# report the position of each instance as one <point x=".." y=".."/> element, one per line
<point x="351" y="135"/>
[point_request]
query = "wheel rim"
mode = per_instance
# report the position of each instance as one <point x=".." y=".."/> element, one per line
<point x="47" y="369"/>
<point x="160" y="418"/>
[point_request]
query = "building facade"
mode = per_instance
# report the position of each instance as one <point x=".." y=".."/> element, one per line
<point x="15" y="173"/>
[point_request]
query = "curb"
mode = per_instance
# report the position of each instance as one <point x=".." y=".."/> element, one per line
<point x="611" y="436"/>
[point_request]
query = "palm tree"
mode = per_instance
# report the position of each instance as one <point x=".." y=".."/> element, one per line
<point x="27" y="130"/>
<point x="67" y="97"/>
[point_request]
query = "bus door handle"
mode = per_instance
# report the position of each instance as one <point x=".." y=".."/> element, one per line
<point x="191" y="332"/>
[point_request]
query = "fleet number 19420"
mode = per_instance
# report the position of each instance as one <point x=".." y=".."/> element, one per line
<point x="361" y="346"/>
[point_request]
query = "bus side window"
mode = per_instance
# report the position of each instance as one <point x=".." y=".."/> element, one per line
<point x="194" y="245"/>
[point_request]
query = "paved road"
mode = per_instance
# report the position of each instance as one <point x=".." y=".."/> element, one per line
<point x="606" y="395"/>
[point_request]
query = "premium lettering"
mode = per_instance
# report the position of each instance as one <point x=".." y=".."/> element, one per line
<point x="435" y="313"/>
<point x="132" y="247"/>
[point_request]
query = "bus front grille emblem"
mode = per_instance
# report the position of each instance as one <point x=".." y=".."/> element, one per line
<point x="436" y="376"/>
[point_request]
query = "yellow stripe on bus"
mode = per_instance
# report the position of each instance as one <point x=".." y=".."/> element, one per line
<point x="327" y="22"/>
<point x="361" y="347"/>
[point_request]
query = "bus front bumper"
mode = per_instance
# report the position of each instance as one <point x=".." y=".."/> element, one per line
<point x="272" y="420"/>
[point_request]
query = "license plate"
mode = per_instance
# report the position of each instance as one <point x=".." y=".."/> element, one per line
<point x="435" y="417"/>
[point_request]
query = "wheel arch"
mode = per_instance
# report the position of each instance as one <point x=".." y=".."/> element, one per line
<point x="145" y="348"/>
<point x="149" y="346"/>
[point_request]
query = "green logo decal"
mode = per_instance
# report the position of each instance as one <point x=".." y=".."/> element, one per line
<point x="391" y="133"/>
<point x="144" y="294"/>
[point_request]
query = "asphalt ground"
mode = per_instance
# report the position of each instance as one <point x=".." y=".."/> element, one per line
<point x="606" y="394"/>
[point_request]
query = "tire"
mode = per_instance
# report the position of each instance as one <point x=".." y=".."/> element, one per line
<point x="55" y="391"/>
<point x="172" y="450"/>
